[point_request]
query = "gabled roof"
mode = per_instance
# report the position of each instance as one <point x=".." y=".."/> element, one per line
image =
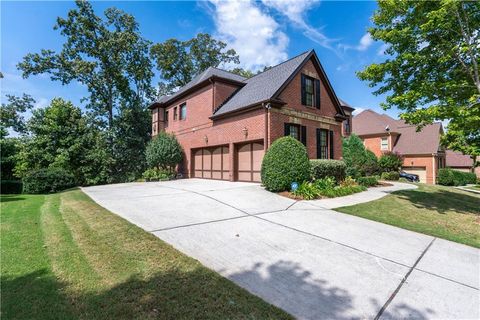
<point x="267" y="85"/>
<point x="205" y="75"/>
<point x="409" y="141"/>
<point x="457" y="159"/>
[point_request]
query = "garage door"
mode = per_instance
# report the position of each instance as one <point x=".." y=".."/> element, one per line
<point x="420" y="171"/>
<point x="211" y="163"/>
<point x="249" y="161"/>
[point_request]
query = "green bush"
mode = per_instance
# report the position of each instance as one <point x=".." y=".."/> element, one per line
<point x="449" y="177"/>
<point x="390" y="161"/>
<point x="359" y="161"/>
<point x="286" y="161"/>
<point x="367" y="181"/>
<point x="328" y="168"/>
<point x="392" y="176"/>
<point x="348" y="182"/>
<point x="158" y="174"/>
<point x="307" y="191"/>
<point x="11" y="187"/>
<point x="340" y="191"/>
<point x="164" y="152"/>
<point x="48" y="180"/>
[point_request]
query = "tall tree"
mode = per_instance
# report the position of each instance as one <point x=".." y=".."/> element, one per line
<point x="11" y="114"/>
<point x="432" y="69"/>
<point x="109" y="57"/>
<point x="179" y="61"/>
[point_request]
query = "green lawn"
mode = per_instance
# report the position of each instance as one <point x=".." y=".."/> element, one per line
<point x="476" y="187"/>
<point x="64" y="257"/>
<point x="443" y="212"/>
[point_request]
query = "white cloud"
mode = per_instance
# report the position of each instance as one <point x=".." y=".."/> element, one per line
<point x="365" y="42"/>
<point x="255" y="35"/>
<point x="358" y="110"/>
<point x="295" y="11"/>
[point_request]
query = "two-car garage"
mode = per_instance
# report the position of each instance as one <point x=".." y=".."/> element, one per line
<point x="215" y="162"/>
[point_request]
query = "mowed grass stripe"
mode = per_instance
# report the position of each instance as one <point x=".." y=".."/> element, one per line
<point x="83" y="262"/>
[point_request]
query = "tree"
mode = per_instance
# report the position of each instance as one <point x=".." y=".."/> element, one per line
<point x="179" y="61"/>
<point x="11" y="114"/>
<point x="432" y="72"/>
<point x="243" y="72"/>
<point x="359" y="161"/>
<point x="164" y="152"/>
<point x="109" y="57"/>
<point x="390" y="161"/>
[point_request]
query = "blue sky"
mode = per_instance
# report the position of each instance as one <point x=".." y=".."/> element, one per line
<point x="262" y="33"/>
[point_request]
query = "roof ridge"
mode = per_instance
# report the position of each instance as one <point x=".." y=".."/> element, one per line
<point x="298" y="55"/>
<point x="228" y="71"/>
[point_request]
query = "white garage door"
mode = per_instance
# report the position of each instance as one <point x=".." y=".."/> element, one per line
<point x="420" y="171"/>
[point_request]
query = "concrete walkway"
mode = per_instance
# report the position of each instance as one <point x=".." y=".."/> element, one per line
<point x="301" y="256"/>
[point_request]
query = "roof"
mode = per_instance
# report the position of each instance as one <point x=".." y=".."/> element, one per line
<point x="205" y="75"/>
<point x="269" y="81"/>
<point x="346" y="106"/>
<point x="409" y="141"/>
<point x="457" y="159"/>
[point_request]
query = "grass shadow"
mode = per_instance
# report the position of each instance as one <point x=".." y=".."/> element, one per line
<point x="10" y="198"/>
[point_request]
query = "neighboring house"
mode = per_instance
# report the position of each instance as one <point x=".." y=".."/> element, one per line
<point x="458" y="161"/>
<point x="226" y="122"/>
<point x="422" y="152"/>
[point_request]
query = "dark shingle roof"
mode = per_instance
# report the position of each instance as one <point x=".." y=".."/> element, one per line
<point x="205" y="75"/>
<point x="409" y="141"/>
<point x="262" y="86"/>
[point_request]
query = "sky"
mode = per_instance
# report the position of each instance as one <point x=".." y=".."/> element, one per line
<point x="263" y="33"/>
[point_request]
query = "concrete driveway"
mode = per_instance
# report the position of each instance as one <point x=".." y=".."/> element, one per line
<point x="303" y="257"/>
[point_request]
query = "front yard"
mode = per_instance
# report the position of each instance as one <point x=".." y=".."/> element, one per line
<point x="443" y="212"/>
<point x="63" y="257"/>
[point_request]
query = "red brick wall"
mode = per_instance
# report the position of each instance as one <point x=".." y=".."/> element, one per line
<point x="429" y="162"/>
<point x="222" y="92"/>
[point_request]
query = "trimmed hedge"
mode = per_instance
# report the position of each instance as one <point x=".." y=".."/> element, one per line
<point x="47" y="181"/>
<point x="328" y="168"/>
<point x="11" y="187"/>
<point x="286" y="161"/>
<point x="367" y="181"/>
<point x="390" y="161"/>
<point x="449" y="177"/>
<point x="393" y="176"/>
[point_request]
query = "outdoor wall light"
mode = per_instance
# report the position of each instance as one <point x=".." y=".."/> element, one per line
<point x="206" y="139"/>
<point x="245" y="132"/>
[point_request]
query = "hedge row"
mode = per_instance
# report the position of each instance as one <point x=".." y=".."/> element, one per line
<point x="47" y="181"/>
<point x="449" y="177"/>
<point x="11" y="187"/>
<point x="328" y="168"/>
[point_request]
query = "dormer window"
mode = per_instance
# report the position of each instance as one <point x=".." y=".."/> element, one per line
<point x="310" y="91"/>
<point x="183" y="111"/>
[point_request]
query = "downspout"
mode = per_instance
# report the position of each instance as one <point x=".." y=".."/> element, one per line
<point x="434" y="168"/>
<point x="267" y="109"/>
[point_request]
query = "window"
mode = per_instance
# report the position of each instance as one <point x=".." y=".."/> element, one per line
<point x="310" y="91"/>
<point x="183" y="111"/>
<point x="296" y="131"/>
<point x="175" y="113"/>
<point x="384" y="144"/>
<point x="322" y="144"/>
<point x="347" y="126"/>
<point x="166" y="118"/>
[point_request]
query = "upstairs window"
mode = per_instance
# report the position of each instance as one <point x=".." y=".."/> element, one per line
<point x="384" y="144"/>
<point x="310" y="91"/>
<point x="175" y="113"/>
<point x="166" y="118"/>
<point x="183" y="111"/>
<point x="347" y="126"/>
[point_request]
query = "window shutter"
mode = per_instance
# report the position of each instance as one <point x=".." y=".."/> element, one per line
<point x="331" y="144"/>
<point x="318" y="143"/>
<point x="303" y="135"/>
<point x="317" y="94"/>
<point x="287" y="130"/>
<point x="304" y="98"/>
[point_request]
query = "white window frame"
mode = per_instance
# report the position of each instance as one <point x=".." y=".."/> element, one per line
<point x="384" y="143"/>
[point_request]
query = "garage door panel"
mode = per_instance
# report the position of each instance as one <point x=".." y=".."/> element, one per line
<point x="211" y="163"/>
<point x="197" y="159"/>
<point x="226" y="159"/>
<point x="244" y="157"/>
<point x="420" y="171"/>
<point x="249" y="161"/>
<point x="257" y="156"/>
<point x="217" y="159"/>
<point x="207" y="159"/>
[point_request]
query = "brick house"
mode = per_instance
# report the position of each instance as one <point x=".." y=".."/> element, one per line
<point x="422" y="152"/>
<point x="461" y="162"/>
<point x="226" y="122"/>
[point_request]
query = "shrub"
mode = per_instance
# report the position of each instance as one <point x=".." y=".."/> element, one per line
<point x="164" y="152"/>
<point x="328" y="168"/>
<point x="348" y="182"/>
<point x="367" y="181"/>
<point x="286" y="161"/>
<point x="392" y="175"/>
<point x="390" y="161"/>
<point x="359" y="161"/>
<point x="307" y="191"/>
<point x="449" y="177"/>
<point x="340" y="191"/>
<point x="47" y="180"/>
<point x="158" y="174"/>
<point x="325" y="183"/>
<point x="11" y="187"/>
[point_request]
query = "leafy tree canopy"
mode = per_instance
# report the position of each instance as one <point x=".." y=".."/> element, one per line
<point x="11" y="113"/>
<point x="179" y="61"/>
<point x="432" y="70"/>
